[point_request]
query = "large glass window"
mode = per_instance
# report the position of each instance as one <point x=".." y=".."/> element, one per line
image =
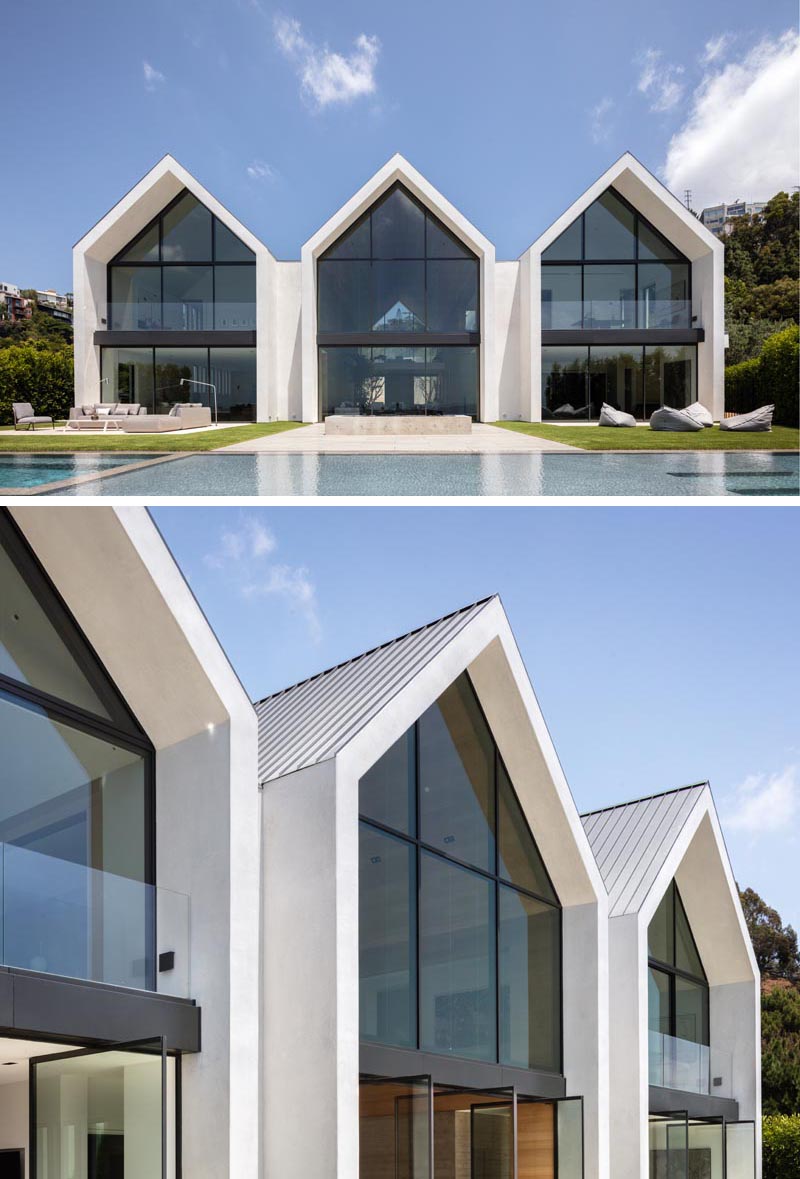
<point x="678" y="989"/>
<point x="151" y="377"/>
<point x="193" y="274"/>
<point x="611" y="269"/>
<point x="76" y="807"/>
<point x="577" y="379"/>
<point x="233" y="372"/>
<point x="174" y="365"/>
<point x="488" y="952"/>
<point x="398" y="271"/>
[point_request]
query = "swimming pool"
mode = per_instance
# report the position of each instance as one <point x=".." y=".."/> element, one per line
<point x="21" y="471"/>
<point x="694" y="473"/>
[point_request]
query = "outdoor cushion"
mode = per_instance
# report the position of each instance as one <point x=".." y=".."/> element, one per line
<point x="104" y="411"/>
<point x="23" y="409"/>
<point x="673" y="419"/>
<point x="699" y="413"/>
<point x="615" y="417"/>
<point x="759" y="420"/>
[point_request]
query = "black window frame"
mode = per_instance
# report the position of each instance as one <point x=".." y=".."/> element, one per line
<point x="117" y="263"/>
<point x="493" y="877"/>
<point x="679" y="257"/>
<point x="121" y="729"/>
<point x="146" y="345"/>
<point x="675" y="972"/>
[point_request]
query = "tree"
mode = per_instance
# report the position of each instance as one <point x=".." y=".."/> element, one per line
<point x="774" y="945"/>
<point x="780" y="1048"/>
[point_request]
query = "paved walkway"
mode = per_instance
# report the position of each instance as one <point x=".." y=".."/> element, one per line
<point x="483" y="440"/>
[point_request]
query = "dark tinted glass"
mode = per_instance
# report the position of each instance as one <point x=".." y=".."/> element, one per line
<point x="228" y="247"/>
<point x="609" y="297"/>
<point x="352" y="244"/>
<point x="31" y="649"/>
<point x="130" y="376"/>
<point x="398" y="227"/>
<point x="691" y="1011"/>
<point x="664" y="295"/>
<point x="686" y="955"/>
<point x="567" y="246"/>
<point x="652" y="245"/>
<point x="398" y="296"/>
<point x="453" y="296"/>
<point x="659" y="1016"/>
<point x="443" y="244"/>
<point x="457" y="964"/>
<point x="188" y="294"/>
<point x="670" y="375"/>
<point x="530" y="982"/>
<point x="235" y="298"/>
<point x="456" y="773"/>
<point x="452" y="380"/>
<point x="144" y="248"/>
<point x="615" y="377"/>
<point x="386" y="792"/>
<point x="660" y="940"/>
<point x="186" y="232"/>
<point x="518" y="858"/>
<point x="135" y="298"/>
<point x="233" y="371"/>
<point x="387" y="938"/>
<point x="344" y="297"/>
<point x="564" y="391"/>
<point x="609" y="228"/>
<point x="561" y="298"/>
<point x="174" y="365"/>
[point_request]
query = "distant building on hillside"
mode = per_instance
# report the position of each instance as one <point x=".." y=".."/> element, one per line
<point x="59" y="306"/>
<point x="13" y="306"/>
<point x="720" y="219"/>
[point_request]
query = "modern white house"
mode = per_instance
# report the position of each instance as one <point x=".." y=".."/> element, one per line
<point x="356" y="929"/>
<point x="398" y="305"/>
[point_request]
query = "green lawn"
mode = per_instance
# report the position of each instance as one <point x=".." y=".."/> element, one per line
<point x="643" y="438"/>
<point x="17" y="441"/>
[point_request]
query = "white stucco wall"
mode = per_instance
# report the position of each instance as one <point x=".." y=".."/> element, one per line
<point x="286" y="342"/>
<point x="507" y="332"/>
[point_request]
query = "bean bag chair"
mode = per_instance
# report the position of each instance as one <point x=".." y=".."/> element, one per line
<point x="757" y="421"/>
<point x="673" y="419"/>
<point x="615" y="417"/>
<point x="699" y="413"/>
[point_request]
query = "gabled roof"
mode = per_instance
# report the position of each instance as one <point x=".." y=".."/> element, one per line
<point x="632" y="842"/>
<point x="312" y="721"/>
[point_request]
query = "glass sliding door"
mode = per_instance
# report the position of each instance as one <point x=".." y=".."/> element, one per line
<point x="473" y="1134"/>
<point x="667" y="1146"/>
<point x="395" y="1128"/>
<point x="550" y="1137"/>
<point x="706" y="1143"/>
<point x="493" y="1141"/>
<point x="740" y="1150"/>
<point x="104" y="1114"/>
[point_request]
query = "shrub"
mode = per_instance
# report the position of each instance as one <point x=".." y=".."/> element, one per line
<point x="774" y="377"/>
<point x="781" y="1146"/>
<point x="39" y="375"/>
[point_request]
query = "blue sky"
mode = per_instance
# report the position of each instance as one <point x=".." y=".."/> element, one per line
<point x="283" y="111"/>
<point x="661" y="642"/>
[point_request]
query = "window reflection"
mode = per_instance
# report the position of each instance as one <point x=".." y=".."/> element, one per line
<point x="577" y="380"/>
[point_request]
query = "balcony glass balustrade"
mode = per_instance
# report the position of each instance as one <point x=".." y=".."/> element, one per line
<point x="689" y="1067"/>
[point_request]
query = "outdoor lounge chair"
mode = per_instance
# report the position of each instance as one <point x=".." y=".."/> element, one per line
<point x="673" y="419"/>
<point x="699" y="413"/>
<point x="24" y="416"/>
<point x="615" y="417"/>
<point x="759" y="420"/>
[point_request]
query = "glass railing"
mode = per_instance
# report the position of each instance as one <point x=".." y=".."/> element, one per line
<point x="692" y="1068"/>
<point x="59" y="917"/>
<point x="665" y="313"/>
<point x="180" y="317"/>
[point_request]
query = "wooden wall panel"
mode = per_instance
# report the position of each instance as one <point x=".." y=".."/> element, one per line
<point x="535" y="1141"/>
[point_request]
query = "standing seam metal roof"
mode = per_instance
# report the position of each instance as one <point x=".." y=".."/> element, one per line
<point x="632" y="841"/>
<point x="311" y="721"/>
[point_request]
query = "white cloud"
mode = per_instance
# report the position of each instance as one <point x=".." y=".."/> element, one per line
<point x="244" y="554"/>
<point x="765" y="803"/>
<point x="599" y="119"/>
<point x="258" y="170"/>
<point x="740" y="138"/>
<point x="659" y="81"/>
<point x="327" y="77"/>
<point x="715" y="48"/>
<point x="153" y="78"/>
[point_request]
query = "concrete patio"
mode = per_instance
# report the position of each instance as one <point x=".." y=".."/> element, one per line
<point x="482" y="440"/>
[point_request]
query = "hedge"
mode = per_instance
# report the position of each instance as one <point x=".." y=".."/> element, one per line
<point x="772" y="378"/>
<point x="39" y="375"/>
<point x="781" y="1146"/>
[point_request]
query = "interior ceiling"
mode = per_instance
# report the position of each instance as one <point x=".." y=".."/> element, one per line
<point x="15" y="1054"/>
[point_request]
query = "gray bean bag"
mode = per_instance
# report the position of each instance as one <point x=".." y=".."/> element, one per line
<point x="757" y="421"/>
<point x="615" y="417"/>
<point x="699" y="413"/>
<point x="673" y="419"/>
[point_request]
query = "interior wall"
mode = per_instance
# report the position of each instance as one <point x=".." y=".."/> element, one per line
<point x="14" y="1118"/>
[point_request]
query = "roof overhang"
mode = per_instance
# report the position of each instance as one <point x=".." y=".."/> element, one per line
<point x="649" y="197"/>
<point x="144" y="201"/>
